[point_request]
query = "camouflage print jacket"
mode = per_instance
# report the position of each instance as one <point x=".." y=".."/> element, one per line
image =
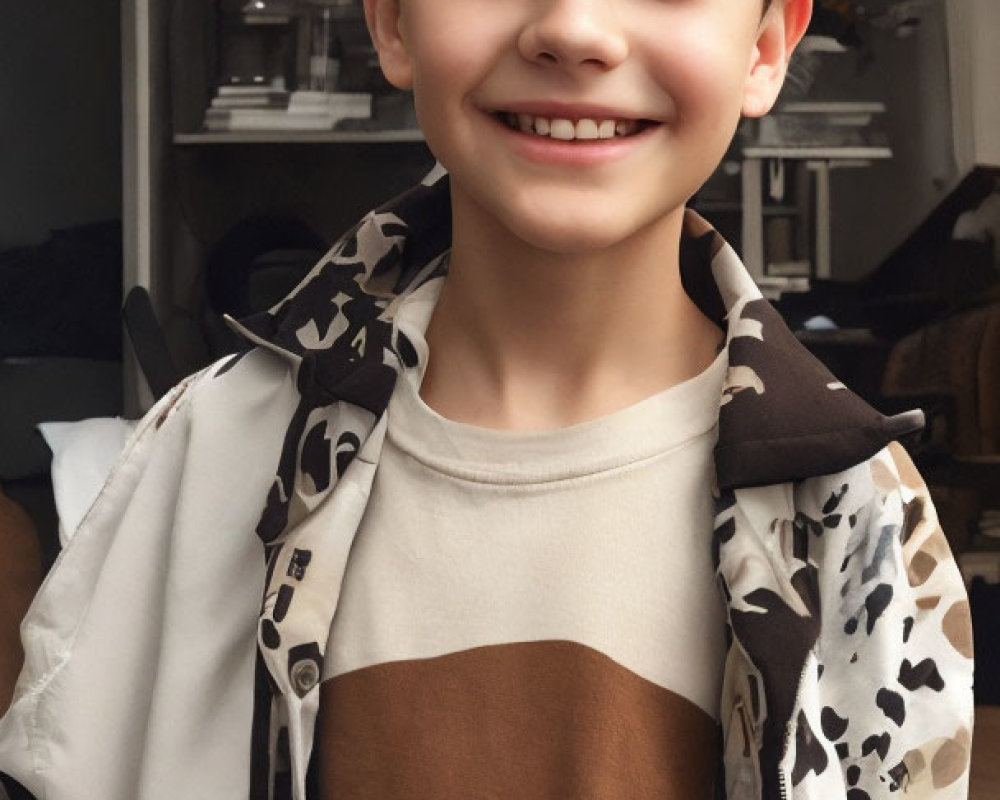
<point x="154" y="670"/>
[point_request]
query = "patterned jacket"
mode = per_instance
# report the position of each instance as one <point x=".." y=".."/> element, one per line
<point x="153" y="669"/>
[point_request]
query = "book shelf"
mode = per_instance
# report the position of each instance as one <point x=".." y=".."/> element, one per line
<point x="300" y="137"/>
<point x="184" y="187"/>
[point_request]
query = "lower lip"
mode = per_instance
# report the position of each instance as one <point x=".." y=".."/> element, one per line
<point x="576" y="153"/>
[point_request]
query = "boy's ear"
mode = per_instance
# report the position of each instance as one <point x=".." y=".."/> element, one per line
<point x="783" y="25"/>
<point x="383" y="17"/>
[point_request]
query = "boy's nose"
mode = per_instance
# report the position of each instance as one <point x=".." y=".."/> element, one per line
<point x="573" y="34"/>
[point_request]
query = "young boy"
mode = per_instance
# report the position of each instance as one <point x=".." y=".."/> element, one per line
<point x="562" y="510"/>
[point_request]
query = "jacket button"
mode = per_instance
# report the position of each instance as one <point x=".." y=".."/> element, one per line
<point x="304" y="676"/>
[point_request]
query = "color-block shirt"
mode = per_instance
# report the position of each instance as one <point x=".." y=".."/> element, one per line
<point x="541" y="599"/>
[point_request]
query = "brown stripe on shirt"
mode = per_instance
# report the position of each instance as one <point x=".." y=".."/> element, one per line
<point x="531" y="720"/>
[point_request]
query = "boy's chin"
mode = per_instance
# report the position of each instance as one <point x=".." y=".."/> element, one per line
<point x="580" y="235"/>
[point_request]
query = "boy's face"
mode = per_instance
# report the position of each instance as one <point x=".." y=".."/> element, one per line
<point x="675" y="75"/>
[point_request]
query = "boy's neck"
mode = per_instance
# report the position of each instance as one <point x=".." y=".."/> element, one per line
<point x="528" y="339"/>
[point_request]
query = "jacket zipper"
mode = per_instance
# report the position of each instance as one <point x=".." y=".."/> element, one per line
<point x="782" y="788"/>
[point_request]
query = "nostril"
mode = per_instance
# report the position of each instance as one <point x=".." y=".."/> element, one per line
<point x="547" y="58"/>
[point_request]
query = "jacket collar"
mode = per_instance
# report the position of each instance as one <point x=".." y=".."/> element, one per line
<point x="784" y="416"/>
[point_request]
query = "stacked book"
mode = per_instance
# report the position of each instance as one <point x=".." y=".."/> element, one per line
<point x="250" y="108"/>
<point x="823" y="124"/>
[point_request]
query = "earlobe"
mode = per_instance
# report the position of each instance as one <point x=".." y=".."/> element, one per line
<point x="780" y="31"/>
<point x="383" y="18"/>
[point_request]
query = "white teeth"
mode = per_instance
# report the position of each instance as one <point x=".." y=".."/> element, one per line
<point x="586" y="129"/>
<point x="562" y="129"/>
<point x="567" y="130"/>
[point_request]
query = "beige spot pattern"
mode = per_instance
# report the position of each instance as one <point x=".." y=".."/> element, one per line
<point x="957" y="627"/>
<point x="952" y="759"/>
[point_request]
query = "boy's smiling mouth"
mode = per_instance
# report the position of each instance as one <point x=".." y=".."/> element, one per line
<point x="568" y="130"/>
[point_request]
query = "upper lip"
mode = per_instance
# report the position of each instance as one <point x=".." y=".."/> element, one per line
<point x="562" y="110"/>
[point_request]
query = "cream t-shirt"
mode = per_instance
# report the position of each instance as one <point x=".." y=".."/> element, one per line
<point x="530" y="606"/>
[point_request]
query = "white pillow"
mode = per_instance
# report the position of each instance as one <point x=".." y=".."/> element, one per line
<point x="83" y="454"/>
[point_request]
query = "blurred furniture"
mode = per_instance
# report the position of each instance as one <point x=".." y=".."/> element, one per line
<point x="811" y="139"/>
<point x="951" y="369"/>
<point x="20" y="577"/>
<point x="817" y="160"/>
<point x="44" y="389"/>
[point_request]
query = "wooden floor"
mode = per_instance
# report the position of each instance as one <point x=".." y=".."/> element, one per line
<point x="985" y="783"/>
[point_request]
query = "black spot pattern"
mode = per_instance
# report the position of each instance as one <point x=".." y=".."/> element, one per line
<point x="832" y="520"/>
<point x="923" y="674"/>
<point x="270" y="635"/>
<point x="726" y="500"/>
<point x="407" y="352"/>
<point x="858" y="794"/>
<point x="854" y="658"/>
<point x="892" y="705"/>
<point x="284" y="601"/>
<point x="722" y="534"/>
<point x="809" y="753"/>
<point x="800" y="543"/>
<point x="347" y="447"/>
<point x="913" y="513"/>
<point x="843" y="566"/>
<point x="878" y="743"/>
<point x="807" y="524"/>
<point x="833" y="724"/>
<point x="275" y="516"/>
<point x="907" y="627"/>
<point x="877" y="602"/>
<point x="835" y="498"/>
<point x="315" y="460"/>
<point x="853" y="774"/>
<point x="843" y="751"/>
<point x="806" y="582"/>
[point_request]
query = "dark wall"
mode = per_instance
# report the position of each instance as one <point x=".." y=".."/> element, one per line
<point x="876" y="209"/>
<point x="60" y="116"/>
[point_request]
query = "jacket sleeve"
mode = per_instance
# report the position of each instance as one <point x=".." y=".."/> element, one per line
<point x="140" y="644"/>
<point x="896" y="646"/>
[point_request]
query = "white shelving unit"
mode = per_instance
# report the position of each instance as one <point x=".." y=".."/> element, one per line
<point x="300" y="137"/>
<point x="183" y="188"/>
<point x="813" y="138"/>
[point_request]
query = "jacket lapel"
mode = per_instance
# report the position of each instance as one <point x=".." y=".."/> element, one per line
<point x="783" y="417"/>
